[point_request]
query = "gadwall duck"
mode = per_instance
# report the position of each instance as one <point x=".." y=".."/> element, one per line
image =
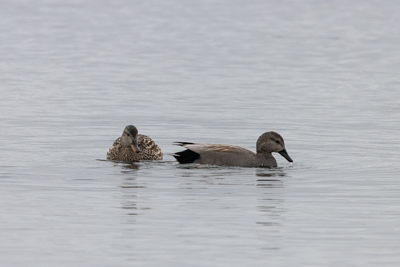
<point x="131" y="146"/>
<point x="228" y="155"/>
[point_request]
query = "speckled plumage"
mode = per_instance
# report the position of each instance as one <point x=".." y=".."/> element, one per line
<point x="149" y="150"/>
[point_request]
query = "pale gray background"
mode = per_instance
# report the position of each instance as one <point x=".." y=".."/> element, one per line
<point x="325" y="75"/>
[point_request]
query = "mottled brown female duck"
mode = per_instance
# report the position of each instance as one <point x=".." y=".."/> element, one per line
<point x="132" y="146"/>
<point x="228" y="155"/>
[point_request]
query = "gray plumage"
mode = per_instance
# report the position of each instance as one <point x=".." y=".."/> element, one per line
<point x="228" y="155"/>
<point x="123" y="148"/>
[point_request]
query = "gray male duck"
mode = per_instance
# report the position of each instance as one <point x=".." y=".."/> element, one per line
<point x="131" y="146"/>
<point x="228" y="155"/>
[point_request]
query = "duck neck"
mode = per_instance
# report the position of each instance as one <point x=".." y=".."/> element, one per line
<point x="266" y="158"/>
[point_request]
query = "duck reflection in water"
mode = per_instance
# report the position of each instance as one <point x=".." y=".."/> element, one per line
<point x="270" y="179"/>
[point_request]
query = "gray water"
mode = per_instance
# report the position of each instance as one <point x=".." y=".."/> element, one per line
<point x="325" y="75"/>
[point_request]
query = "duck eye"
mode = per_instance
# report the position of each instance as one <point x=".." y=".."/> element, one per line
<point x="128" y="134"/>
<point x="277" y="141"/>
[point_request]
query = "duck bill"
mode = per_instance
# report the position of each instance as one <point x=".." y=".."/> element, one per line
<point x="285" y="155"/>
<point x="135" y="147"/>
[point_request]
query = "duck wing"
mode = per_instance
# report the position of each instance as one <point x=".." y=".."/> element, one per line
<point x="216" y="148"/>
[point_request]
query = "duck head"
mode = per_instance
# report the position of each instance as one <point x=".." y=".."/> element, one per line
<point x="129" y="138"/>
<point x="272" y="142"/>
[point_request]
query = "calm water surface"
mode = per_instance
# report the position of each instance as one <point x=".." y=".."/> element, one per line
<point x="325" y="76"/>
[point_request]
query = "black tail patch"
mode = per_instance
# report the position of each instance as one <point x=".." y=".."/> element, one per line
<point x="186" y="156"/>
